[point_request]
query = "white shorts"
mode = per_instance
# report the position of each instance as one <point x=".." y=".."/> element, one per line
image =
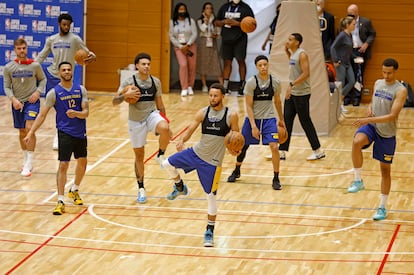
<point x="138" y="130"/>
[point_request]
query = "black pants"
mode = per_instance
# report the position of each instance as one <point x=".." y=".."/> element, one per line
<point x="299" y="105"/>
<point x="355" y="95"/>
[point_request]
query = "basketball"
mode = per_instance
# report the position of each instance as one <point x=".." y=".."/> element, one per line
<point x="234" y="141"/>
<point x="80" y="55"/>
<point x="130" y="100"/>
<point x="283" y="135"/>
<point x="248" y="24"/>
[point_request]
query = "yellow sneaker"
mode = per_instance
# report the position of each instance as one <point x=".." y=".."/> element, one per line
<point x="76" y="198"/>
<point x="59" y="209"/>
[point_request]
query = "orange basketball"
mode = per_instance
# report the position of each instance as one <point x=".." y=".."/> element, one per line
<point x="80" y="55"/>
<point x="248" y="24"/>
<point x="234" y="141"/>
<point x="130" y="100"/>
<point x="283" y="135"/>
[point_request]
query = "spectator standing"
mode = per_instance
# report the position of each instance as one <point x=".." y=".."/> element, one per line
<point x="183" y="35"/>
<point x="208" y="61"/>
<point x="297" y="97"/>
<point x="234" y="40"/>
<point x="363" y="36"/>
<point x="24" y="82"/>
<point x="380" y="128"/>
<point x="270" y="35"/>
<point x="341" y="51"/>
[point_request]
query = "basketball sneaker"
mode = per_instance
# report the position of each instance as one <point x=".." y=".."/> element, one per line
<point x="184" y="92"/>
<point x="381" y="214"/>
<point x="234" y="175"/>
<point x="282" y="155"/>
<point x="276" y="184"/>
<point x="190" y="91"/>
<point x="59" y="209"/>
<point x="142" y="196"/>
<point x="160" y="159"/>
<point x="208" y="238"/>
<point x="175" y="193"/>
<point x="316" y="156"/>
<point x="27" y="170"/>
<point x="356" y="185"/>
<point x="74" y="195"/>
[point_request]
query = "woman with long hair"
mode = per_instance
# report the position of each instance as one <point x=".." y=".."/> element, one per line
<point x="183" y="35"/>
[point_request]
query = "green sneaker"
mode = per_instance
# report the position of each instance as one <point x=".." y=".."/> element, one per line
<point x="175" y="193"/>
<point x="356" y="186"/>
<point x="380" y="215"/>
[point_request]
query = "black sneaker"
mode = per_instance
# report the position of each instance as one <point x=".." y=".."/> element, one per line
<point x="276" y="184"/>
<point x="234" y="175"/>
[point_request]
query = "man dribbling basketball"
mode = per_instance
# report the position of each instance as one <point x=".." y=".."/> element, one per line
<point x="207" y="155"/>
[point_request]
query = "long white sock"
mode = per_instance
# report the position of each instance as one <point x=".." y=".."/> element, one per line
<point x="74" y="187"/>
<point x="29" y="159"/>
<point x="357" y="173"/>
<point x="61" y="198"/>
<point x="383" y="200"/>
<point x="24" y="157"/>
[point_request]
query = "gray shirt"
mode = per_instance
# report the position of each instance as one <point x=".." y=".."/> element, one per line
<point x="63" y="48"/>
<point x="384" y="96"/>
<point x="294" y="72"/>
<point x="262" y="109"/>
<point x="22" y="80"/>
<point x="211" y="148"/>
<point x="141" y="110"/>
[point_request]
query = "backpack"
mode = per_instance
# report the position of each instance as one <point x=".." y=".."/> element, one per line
<point x="409" y="102"/>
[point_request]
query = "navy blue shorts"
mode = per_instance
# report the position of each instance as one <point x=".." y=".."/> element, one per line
<point x="29" y="112"/>
<point x="267" y="128"/>
<point x="208" y="174"/>
<point x="384" y="148"/>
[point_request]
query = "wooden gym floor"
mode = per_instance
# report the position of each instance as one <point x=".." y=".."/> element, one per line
<point x="312" y="226"/>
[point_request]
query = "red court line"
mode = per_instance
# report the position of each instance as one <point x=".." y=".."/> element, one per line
<point x="173" y="138"/>
<point x="384" y="260"/>
<point x="45" y="243"/>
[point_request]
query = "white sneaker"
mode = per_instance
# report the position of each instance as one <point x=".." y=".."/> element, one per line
<point x="316" y="156"/>
<point x="282" y="155"/>
<point x="190" y="91"/>
<point x="184" y="92"/>
<point x="27" y="170"/>
<point x="268" y="157"/>
<point x="160" y="160"/>
<point x="343" y="109"/>
<point x="204" y="89"/>
<point x="142" y="196"/>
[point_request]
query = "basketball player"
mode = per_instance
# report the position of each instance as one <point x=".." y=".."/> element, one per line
<point x="262" y="98"/>
<point x="63" y="47"/>
<point x="146" y="115"/>
<point x="379" y="127"/>
<point x="297" y="97"/>
<point x="72" y="108"/>
<point x="24" y="81"/>
<point x="206" y="156"/>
